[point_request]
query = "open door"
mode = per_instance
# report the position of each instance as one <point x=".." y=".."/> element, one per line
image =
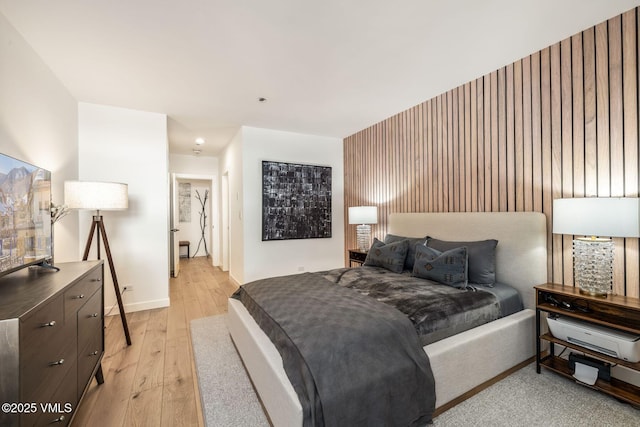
<point x="175" y="249"/>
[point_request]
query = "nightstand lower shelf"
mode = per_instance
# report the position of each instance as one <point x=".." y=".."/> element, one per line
<point x="616" y="388"/>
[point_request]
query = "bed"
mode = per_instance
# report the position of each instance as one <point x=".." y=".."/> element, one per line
<point x="484" y="351"/>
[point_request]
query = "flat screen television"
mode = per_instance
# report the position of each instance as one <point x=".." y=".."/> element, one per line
<point x="25" y="215"/>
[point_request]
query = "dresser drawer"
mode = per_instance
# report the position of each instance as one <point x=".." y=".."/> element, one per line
<point x="88" y="357"/>
<point x="77" y="295"/>
<point x="47" y="349"/>
<point x="47" y="365"/>
<point x="57" y="411"/>
<point x="90" y="321"/>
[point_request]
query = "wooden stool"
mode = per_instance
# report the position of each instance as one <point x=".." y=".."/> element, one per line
<point x="184" y="243"/>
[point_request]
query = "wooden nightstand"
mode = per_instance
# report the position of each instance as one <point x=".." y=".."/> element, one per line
<point x="614" y="311"/>
<point x="357" y="256"/>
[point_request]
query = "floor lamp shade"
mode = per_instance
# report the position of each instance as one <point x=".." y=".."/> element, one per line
<point x="95" y="195"/>
<point x="363" y="216"/>
<point x="599" y="218"/>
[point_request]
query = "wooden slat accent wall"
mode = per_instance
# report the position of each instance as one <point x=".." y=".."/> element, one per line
<point x="562" y="122"/>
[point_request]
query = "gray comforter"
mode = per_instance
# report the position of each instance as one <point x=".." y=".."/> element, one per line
<point x="352" y="360"/>
<point x="437" y="311"/>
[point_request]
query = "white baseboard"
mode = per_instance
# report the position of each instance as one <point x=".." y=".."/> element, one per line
<point x="233" y="279"/>
<point x="138" y="306"/>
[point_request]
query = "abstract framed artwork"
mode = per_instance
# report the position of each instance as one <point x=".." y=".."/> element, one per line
<point x="184" y="202"/>
<point x="296" y="201"/>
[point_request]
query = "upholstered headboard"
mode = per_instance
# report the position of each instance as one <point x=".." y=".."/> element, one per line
<point x="521" y="254"/>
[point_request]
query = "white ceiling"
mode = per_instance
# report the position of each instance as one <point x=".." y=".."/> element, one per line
<point x="327" y="68"/>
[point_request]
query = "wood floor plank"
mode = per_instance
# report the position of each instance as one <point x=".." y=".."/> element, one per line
<point x="150" y="369"/>
<point x="178" y="397"/>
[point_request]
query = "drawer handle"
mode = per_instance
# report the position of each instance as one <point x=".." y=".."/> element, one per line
<point x="60" y="419"/>
<point x="94" y="315"/>
<point x="79" y="296"/>
<point x="45" y="325"/>
<point x="95" y="280"/>
<point x="95" y="353"/>
<point x="59" y="362"/>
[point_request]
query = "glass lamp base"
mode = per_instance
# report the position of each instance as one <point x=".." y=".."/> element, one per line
<point x="363" y="237"/>
<point x="593" y="265"/>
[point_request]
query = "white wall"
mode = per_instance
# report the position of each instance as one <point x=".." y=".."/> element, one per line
<point x="38" y="124"/>
<point x="232" y="167"/>
<point x="193" y="165"/>
<point x="282" y="257"/>
<point x="122" y="145"/>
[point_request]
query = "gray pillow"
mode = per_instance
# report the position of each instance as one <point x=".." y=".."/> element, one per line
<point x="482" y="258"/>
<point x="448" y="268"/>
<point x="390" y="256"/>
<point x="411" y="253"/>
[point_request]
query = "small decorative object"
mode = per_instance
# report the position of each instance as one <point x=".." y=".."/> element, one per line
<point x="296" y="201"/>
<point x="203" y="221"/>
<point x="58" y="212"/>
<point x="184" y="202"/>
<point x="363" y="216"/>
<point x="600" y="218"/>
<point x="100" y="196"/>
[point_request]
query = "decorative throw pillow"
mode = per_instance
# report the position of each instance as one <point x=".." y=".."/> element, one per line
<point x="411" y="252"/>
<point x="389" y="256"/>
<point x="482" y="258"/>
<point x="448" y="268"/>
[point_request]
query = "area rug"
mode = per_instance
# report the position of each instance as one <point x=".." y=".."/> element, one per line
<point x="522" y="399"/>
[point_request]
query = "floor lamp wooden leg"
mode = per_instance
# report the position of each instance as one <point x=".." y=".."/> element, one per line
<point x="97" y="223"/>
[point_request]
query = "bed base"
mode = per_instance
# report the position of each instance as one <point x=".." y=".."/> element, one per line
<point x="459" y="363"/>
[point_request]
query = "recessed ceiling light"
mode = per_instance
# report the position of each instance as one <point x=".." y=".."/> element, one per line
<point x="261" y="99"/>
<point x="199" y="141"/>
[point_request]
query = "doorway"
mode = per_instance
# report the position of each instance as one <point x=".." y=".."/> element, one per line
<point x="194" y="219"/>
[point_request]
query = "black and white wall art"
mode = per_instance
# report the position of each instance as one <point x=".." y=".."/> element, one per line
<point x="296" y="201"/>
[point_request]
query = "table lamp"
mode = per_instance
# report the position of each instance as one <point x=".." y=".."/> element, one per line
<point x="363" y="216"/>
<point x="599" y="218"/>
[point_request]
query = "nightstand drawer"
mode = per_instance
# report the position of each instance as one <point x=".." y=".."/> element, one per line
<point x="78" y="294"/>
<point x="357" y="256"/>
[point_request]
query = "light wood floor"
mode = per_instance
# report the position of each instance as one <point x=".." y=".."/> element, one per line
<point x="153" y="381"/>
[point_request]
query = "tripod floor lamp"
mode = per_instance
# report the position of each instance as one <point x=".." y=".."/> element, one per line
<point x="91" y="195"/>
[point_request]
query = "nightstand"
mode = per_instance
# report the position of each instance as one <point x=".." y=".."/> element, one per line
<point x="616" y="312"/>
<point x="356" y="256"/>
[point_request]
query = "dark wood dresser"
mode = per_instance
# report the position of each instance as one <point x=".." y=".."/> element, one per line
<point x="51" y="341"/>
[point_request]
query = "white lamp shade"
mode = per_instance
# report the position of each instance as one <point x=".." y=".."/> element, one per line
<point x="597" y="216"/>
<point x="96" y="195"/>
<point x="363" y="215"/>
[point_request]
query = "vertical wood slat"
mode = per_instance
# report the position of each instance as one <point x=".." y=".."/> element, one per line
<point x="562" y="122"/>
<point x="566" y="161"/>
<point x="630" y="109"/>
<point x="616" y="146"/>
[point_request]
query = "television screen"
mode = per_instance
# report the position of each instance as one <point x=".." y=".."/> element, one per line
<point x="25" y="214"/>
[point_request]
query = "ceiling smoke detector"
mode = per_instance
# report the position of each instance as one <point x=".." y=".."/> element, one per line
<point x="197" y="151"/>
